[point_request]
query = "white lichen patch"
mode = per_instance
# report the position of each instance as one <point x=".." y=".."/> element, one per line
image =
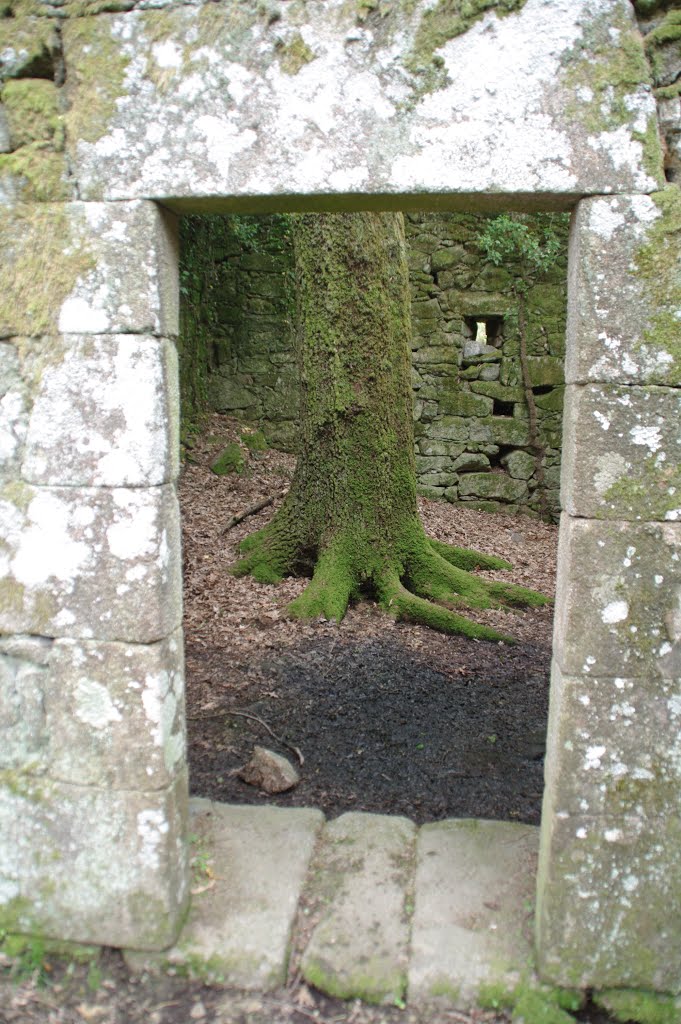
<point x="102" y="413"/>
<point x="93" y="704"/>
<point x="224" y="111"/>
<point x="615" y="611"/>
<point x="152" y="829"/>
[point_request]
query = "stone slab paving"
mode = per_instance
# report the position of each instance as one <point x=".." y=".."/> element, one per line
<point x="363" y="877"/>
<point x="251" y="863"/>
<point x="473" y="912"/>
<point x="426" y="914"/>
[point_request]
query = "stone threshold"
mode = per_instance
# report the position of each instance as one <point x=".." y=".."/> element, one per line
<point x="369" y="906"/>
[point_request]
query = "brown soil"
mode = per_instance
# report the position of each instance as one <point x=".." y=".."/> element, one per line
<point x="389" y="718"/>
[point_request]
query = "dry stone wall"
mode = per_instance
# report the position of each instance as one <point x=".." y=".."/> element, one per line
<point x="471" y="421"/>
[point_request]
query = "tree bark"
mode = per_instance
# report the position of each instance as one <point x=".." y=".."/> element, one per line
<point x="351" y="516"/>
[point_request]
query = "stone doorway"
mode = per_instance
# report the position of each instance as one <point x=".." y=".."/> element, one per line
<point x="90" y="599"/>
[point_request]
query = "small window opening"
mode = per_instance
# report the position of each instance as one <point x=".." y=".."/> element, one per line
<point x="485" y="330"/>
<point x="500" y="408"/>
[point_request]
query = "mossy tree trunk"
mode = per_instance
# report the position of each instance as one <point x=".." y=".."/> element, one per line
<point x="350" y="516"/>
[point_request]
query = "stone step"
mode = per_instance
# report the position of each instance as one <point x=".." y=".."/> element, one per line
<point x="361" y="885"/>
<point x="250" y="864"/>
<point x="473" y="909"/>
<point x="436" y="913"/>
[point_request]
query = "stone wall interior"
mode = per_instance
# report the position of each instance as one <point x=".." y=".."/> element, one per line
<point x="113" y="122"/>
<point x="473" y="440"/>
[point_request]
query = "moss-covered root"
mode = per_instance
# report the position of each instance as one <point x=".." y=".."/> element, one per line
<point x="402" y="604"/>
<point x="329" y="592"/>
<point x="432" y="576"/>
<point x="466" y="558"/>
<point x="269" y="554"/>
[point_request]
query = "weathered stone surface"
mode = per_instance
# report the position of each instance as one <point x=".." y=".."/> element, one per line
<point x="23" y="680"/>
<point x="617" y="604"/>
<point x="270" y="771"/>
<point x="91" y="563"/>
<point x="189" y="101"/>
<point x="609" y="912"/>
<point x="614" y="746"/>
<point x="14" y="404"/>
<point x="622" y="452"/>
<point x="88" y="268"/>
<point x="520" y="465"/>
<point x="108" y="867"/>
<point x="103" y="700"/>
<point x="473" y="882"/>
<point x="497" y="486"/>
<point x="239" y="929"/>
<point x="360" y="946"/>
<point x="105" y="413"/>
<point x="27" y="47"/>
<point x="625" y="291"/>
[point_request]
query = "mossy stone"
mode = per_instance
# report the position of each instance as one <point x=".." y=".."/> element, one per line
<point x="231" y="460"/>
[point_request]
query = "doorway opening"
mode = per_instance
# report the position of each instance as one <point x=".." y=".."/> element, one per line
<point x="386" y="718"/>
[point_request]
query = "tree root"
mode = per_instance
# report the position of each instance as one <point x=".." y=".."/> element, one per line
<point x="328" y="593"/>
<point x="424" y="585"/>
<point x="402" y="604"/>
<point x="269" y="554"/>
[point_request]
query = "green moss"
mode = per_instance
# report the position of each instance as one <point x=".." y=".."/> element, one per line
<point x="364" y="985"/>
<point x="447" y="20"/>
<point x="652" y="491"/>
<point x="657" y="265"/>
<point x="295" y="55"/>
<point x="531" y="1002"/>
<point x="642" y="1007"/>
<point x="32" y="112"/>
<point x="41" y="173"/>
<point x="231" y="460"/>
<point x="255" y="441"/>
<point x="26" y="786"/>
<point x="652" y="156"/>
<point x="97" y="69"/>
<point x="611" y="73"/>
<point x="668" y="31"/>
<point x="42" y="261"/>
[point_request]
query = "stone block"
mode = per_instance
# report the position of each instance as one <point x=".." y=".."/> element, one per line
<point x="614" y="746"/>
<point x="360" y="945"/>
<point x="450" y="428"/>
<point x="617" y="603"/>
<point x="621" y="452"/>
<point x="438" y="354"/>
<point x="496" y="486"/>
<point x="493" y="389"/>
<point x="91" y="865"/>
<point x="164" y="120"/>
<point x="471" y="462"/>
<point x="609" y="902"/>
<point x="88" y="268"/>
<point x="625" y="291"/>
<point x="238" y="931"/>
<point x="545" y="371"/>
<point x="474" y="880"/>
<point x="503" y="430"/>
<point x="91" y="563"/>
<point x="105" y="413"/>
<point x="520" y="465"/>
<point x="465" y="404"/>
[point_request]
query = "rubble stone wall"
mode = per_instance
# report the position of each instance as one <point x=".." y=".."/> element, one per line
<point x="471" y="421"/>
